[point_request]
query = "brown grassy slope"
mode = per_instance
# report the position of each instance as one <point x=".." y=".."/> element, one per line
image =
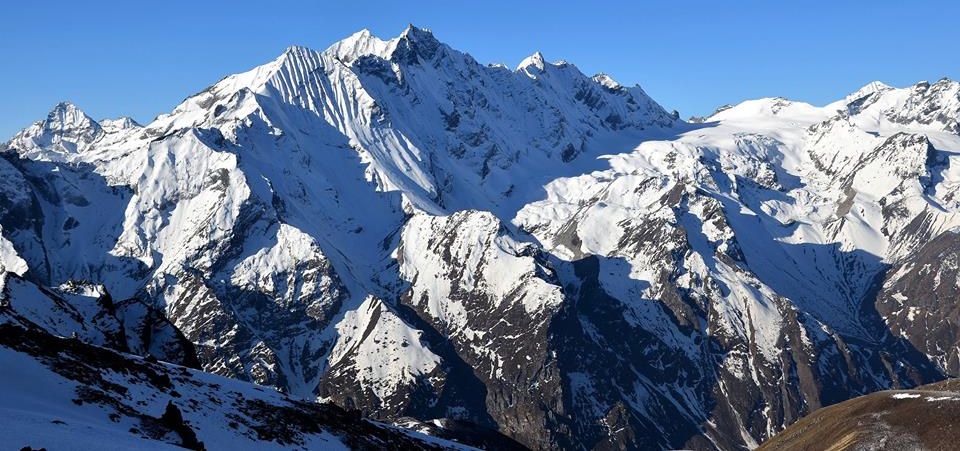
<point x="926" y="418"/>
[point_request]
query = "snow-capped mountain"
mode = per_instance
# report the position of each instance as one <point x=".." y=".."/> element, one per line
<point x="391" y="226"/>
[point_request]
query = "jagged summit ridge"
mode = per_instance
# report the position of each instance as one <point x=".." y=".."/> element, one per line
<point x="402" y="86"/>
<point x="870" y="88"/>
<point x="360" y="44"/>
<point x="66" y="128"/>
<point x="535" y="61"/>
<point x="66" y="117"/>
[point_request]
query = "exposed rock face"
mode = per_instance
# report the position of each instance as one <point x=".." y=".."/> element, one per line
<point x="918" y="301"/>
<point x="393" y="227"/>
<point x="492" y="299"/>
<point x="936" y="105"/>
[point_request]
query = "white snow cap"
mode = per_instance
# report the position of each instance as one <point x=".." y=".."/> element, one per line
<point x="870" y="88"/>
<point x="120" y="123"/>
<point x="606" y="81"/>
<point x="536" y="60"/>
<point x="66" y="116"/>
<point x="359" y="44"/>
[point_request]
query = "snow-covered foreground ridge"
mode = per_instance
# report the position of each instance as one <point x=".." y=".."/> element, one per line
<point x="396" y="228"/>
<point x="63" y="394"/>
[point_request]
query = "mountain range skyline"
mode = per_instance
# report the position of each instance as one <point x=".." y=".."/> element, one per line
<point x="693" y="61"/>
<point x="530" y="256"/>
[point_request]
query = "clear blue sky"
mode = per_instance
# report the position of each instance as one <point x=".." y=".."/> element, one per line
<point x="140" y="59"/>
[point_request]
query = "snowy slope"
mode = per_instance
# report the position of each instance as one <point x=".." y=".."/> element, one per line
<point x="63" y="394"/>
<point x="88" y="313"/>
<point x="394" y="227"/>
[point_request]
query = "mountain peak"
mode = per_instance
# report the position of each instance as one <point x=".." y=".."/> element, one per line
<point x="536" y="61"/>
<point x="870" y="88"/>
<point x="876" y="85"/>
<point x="415" y="44"/>
<point x="946" y="81"/>
<point x="64" y="105"/>
<point x="67" y="117"/>
<point x="606" y="81"/>
<point x="120" y="123"/>
<point x="295" y="52"/>
<point x="66" y="129"/>
<point x="414" y="32"/>
<point x="66" y="109"/>
<point x="360" y="44"/>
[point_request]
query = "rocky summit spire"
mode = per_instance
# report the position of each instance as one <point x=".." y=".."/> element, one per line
<point x="66" y="129"/>
<point x="416" y="45"/>
<point x="535" y="61"/>
<point x="65" y="117"/>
